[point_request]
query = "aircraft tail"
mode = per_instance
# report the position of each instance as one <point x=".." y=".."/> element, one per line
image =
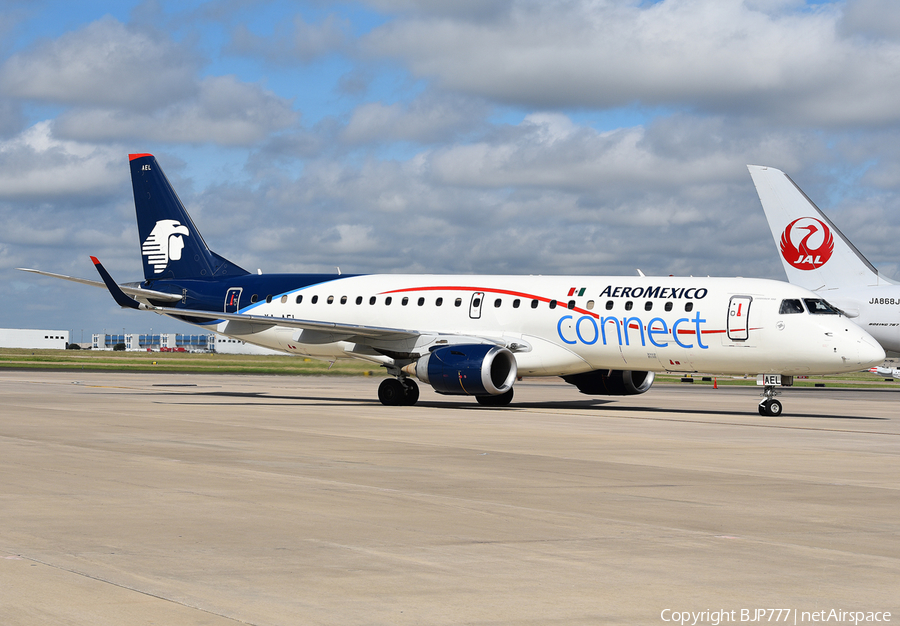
<point x="814" y="253"/>
<point x="171" y="246"/>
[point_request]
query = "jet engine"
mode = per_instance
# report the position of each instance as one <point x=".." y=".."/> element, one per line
<point x="611" y="382"/>
<point x="467" y="369"/>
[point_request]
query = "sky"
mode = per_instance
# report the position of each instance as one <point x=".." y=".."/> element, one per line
<point x="588" y="137"/>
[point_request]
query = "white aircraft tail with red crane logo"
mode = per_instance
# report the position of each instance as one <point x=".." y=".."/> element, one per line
<point x="814" y="253"/>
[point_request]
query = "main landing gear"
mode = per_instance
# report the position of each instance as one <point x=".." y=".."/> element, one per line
<point x="398" y="392"/>
<point x="769" y="406"/>
<point x="405" y="392"/>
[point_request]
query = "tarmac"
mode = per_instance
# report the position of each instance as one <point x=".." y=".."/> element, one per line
<point x="132" y="499"/>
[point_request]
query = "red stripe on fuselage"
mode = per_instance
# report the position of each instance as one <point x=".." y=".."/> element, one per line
<point x="505" y="292"/>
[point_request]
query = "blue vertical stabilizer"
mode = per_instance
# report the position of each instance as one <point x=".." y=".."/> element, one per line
<point x="171" y="246"/>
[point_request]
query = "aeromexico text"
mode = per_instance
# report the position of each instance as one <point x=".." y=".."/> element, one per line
<point x="688" y="293"/>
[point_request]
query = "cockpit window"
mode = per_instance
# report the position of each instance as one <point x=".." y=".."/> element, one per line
<point x="820" y="307"/>
<point x="791" y="306"/>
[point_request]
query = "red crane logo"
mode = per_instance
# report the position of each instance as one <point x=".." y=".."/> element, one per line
<point x="803" y="255"/>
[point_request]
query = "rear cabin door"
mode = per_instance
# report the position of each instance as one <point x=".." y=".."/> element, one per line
<point x="739" y="318"/>
<point x="233" y="300"/>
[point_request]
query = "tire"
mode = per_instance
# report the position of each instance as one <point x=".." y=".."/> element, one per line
<point x="391" y="392"/>
<point x="763" y="409"/>
<point x="774" y="408"/>
<point x="501" y="400"/>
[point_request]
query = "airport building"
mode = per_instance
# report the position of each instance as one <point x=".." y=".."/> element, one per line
<point x="160" y="342"/>
<point x="227" y="345"/>
<point x="34" y="339"/>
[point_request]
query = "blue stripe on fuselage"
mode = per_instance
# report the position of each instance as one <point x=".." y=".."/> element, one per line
<point x="209" y="295"/>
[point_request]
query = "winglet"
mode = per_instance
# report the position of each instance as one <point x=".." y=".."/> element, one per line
<point x="118" y="295"/>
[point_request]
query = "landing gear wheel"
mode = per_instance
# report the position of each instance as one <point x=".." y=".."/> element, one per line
<point x="769" y="406"/>
<point x="501" y="400"/>
<point x="410" y="392"/>
<point x="391" y="392"/>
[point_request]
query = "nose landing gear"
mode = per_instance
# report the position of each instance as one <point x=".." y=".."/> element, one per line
<point x="769" y="406"/>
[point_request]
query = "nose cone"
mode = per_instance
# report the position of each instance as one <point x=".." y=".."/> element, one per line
<point x="871" y="353"/>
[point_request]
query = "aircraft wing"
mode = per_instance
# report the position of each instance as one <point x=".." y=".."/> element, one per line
<point x="137" y="292"/>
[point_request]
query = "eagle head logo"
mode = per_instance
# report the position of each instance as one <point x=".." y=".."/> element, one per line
<point x="164" y="244"/>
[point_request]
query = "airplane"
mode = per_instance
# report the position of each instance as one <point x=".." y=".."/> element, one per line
<point x="477" y="335"/>
<point x="885" y="372"/>
<point x="818" y="256"/>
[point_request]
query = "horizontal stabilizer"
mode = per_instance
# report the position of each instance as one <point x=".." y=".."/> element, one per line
<point x="144" y="295"/>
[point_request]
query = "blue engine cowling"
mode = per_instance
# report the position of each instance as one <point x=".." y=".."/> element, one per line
<point x="468" y="369"/>
<point x="611" y="382"/>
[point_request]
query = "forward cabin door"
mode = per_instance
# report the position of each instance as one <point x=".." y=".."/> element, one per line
<point x="739" y="318"/>
<point x="475" y="305"/>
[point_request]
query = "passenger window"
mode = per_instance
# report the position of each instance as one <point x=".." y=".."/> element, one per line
<point x="648" y="305"/>
<point x="421" y="301"/>
<point x="358" y="299"/>
<point x="457" y="302"/>
<point x="668" y="306"/>
<point x="609" y="305"/>
<point x="439" y="302"/>
<point x="570" y="305"/>
<point x="689" y="307"/>
<point x="497" y="303"/>
<point x="330" y="300"/>
<point x="629" y="305"/>
<point x="254" y="298"/>
<point x="283" y="299"/>
<point x="343" y="299"/>
<point x="404" y="301"/>
<point x="299" y="299"/>
<point x="388" y="300"/>
<point x="269" y="299"/>
<point x="315" y="299"/>
<point x="372" y="300"/>
<point x="516" y="303"/>
<point x="590" y="305"/>
<point x="789" y="307"/>
<point x="820" y="307"/>
<point x="553" y="304"/>
<point x="534" y="304"/>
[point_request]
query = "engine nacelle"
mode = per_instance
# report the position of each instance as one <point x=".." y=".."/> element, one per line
<point x="611" y="382"/>
<point x="467" y="369"/>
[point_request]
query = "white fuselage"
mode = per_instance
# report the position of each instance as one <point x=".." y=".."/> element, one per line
<point x="570" y="324"/>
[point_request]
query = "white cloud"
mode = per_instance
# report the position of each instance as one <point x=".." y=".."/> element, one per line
<point x="428" y="118"/>
<point x="711" y="55"/>
<point x="302" y="42"/>
<point x="105" y="64"/>
<point x="37" y="165"/>
<point x="225" y="111"/>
